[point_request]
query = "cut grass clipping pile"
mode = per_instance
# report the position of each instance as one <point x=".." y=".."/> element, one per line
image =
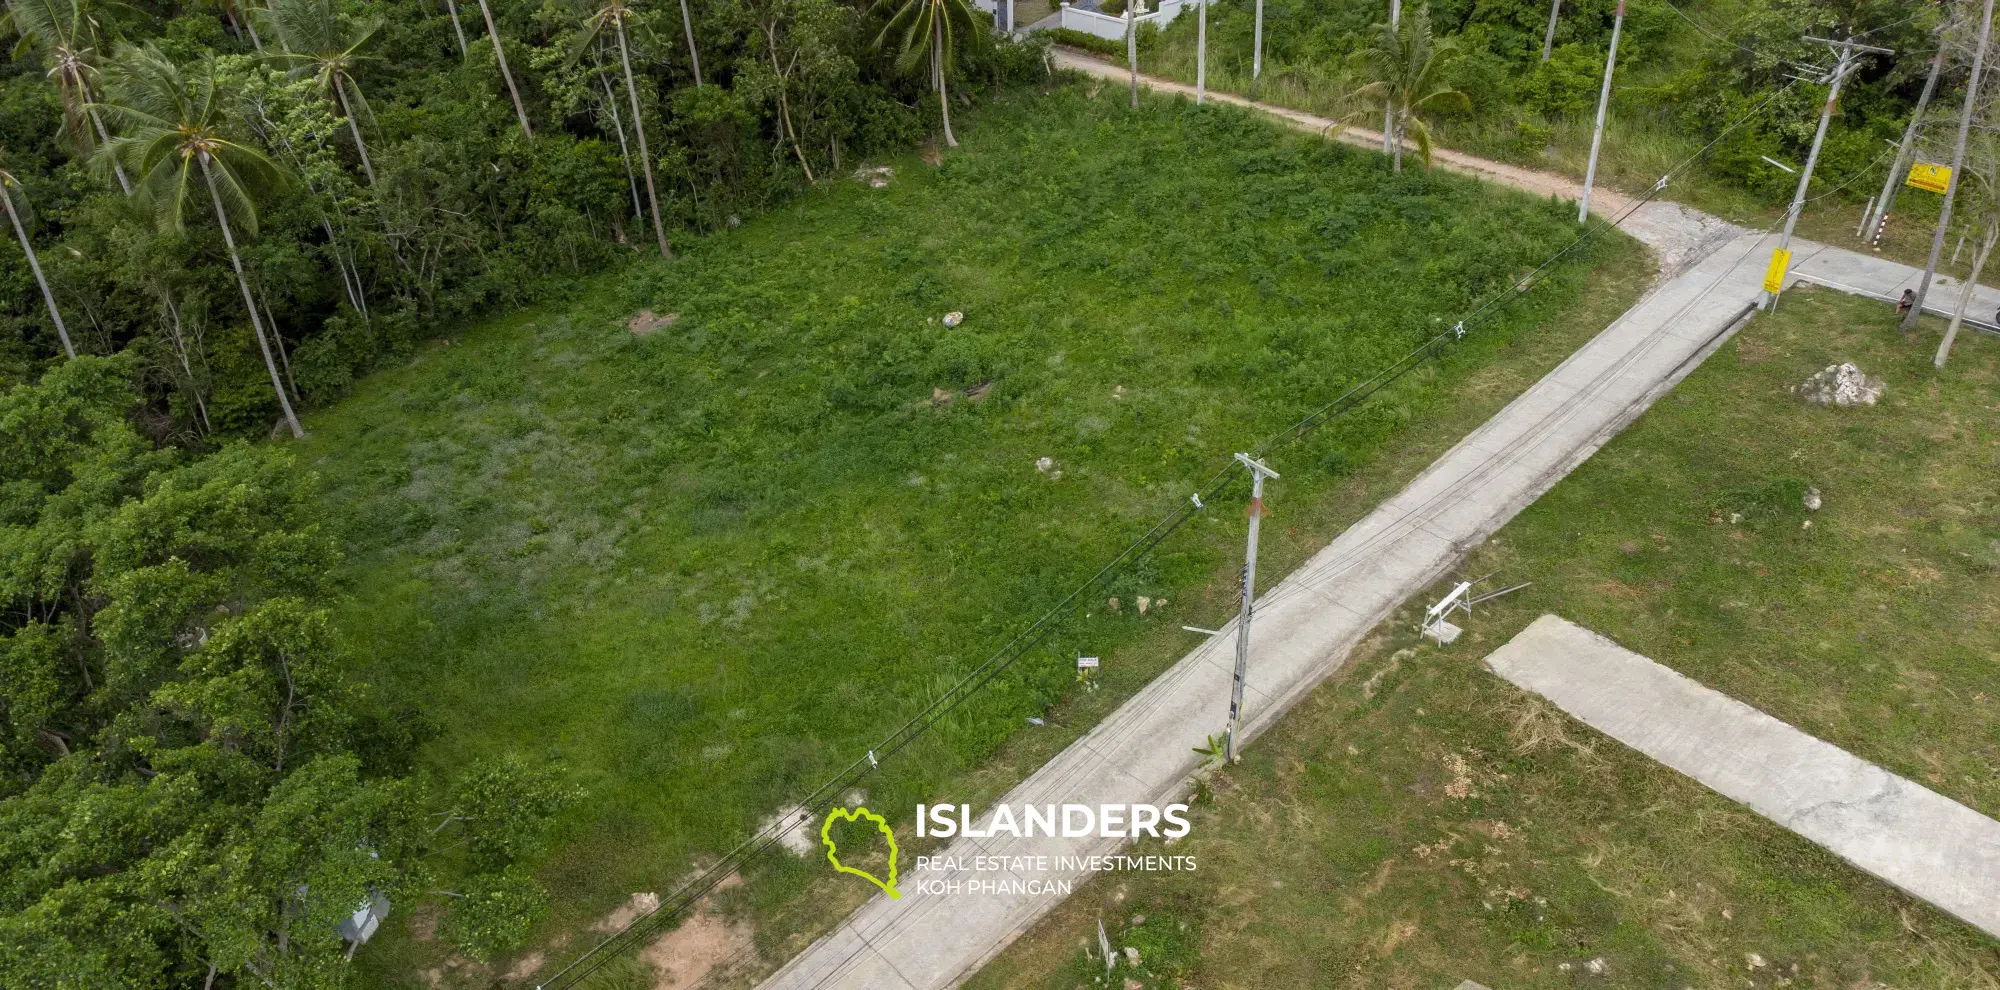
<point x="1420" y="821"/>
<point x="707" y="559"/>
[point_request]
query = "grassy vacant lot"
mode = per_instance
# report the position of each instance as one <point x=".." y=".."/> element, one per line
<point x="708" y="565"/>
<point x="1420" y="821"/>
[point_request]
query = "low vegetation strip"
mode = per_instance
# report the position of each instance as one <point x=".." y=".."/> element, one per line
<point x="1901" y="831"/>
<point x="707" y="564"/>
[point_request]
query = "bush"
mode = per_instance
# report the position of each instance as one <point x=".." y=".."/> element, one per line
<point x="1566" y="85"/>
<point x="1087" y="42"/>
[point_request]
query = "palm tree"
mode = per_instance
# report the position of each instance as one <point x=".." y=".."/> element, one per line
<point x="67" y="35"/>
<point x="457" y="29"/>
<point x="927" y="33"/>
<point x="1407" y="63"/>
<point x="694" y="57"/>
<point x="316" y="43"/>
<point x="34" y="264"/>
<point x="614" y="14"/>
<point x="500" y="53"/>
<point x="176" y="133"/>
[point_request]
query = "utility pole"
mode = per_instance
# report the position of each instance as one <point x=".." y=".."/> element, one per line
<point x="1131" y="49"/>
<point x="1972" y="85"/>
<point x="1549" y="39"/>
<point x="1389" y="112"/>
<point x="1200" y="52"/>
<point x="1257" y="45"/>
<point x="1879" y="216"/>
<point x="1774" y="277"/>
<point x="1603" y="110"/>
<point x="1258" y="472"/>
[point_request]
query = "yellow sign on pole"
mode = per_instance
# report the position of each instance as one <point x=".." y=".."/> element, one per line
<point x="1924" y="175"/>
<point x="1774" y="276"/>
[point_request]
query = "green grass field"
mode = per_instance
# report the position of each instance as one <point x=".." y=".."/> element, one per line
<point x="707" y="566"/>
<point x="1419" y="821"/>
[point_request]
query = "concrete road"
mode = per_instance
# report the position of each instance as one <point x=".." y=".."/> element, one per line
<point x="1305" y="626"/>
<point x="1908" y="835"/>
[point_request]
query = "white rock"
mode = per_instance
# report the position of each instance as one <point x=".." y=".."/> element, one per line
<point x="1841" y="385"/>
<point x="1045" y="464"/>
<point x="1812" y="500"/>
<point x="1596" y="966"/>
<point x="1131" y="956"/>
<point x="954" y="318"/>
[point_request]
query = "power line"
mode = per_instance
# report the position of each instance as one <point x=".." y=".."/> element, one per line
<point x="1038" y="631"/>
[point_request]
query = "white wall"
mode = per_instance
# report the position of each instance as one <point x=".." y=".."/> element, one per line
<point x="1113" y="28"/>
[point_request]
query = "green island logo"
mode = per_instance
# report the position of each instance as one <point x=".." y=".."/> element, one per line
<point x="833" y="855"/>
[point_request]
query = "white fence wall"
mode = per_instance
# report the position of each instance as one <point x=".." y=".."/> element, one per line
<point x="1091" y="22"/>
<point x="1113" y="28"/>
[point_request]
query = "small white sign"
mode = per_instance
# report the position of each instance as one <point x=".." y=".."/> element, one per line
<point x="1085" y="663"/>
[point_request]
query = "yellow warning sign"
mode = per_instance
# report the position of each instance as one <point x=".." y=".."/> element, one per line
<point x="1936" y="178"/>
<point x="1774" y="276"/>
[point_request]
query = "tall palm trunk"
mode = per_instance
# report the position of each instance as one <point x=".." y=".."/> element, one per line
<point x="35" y="265"/>
<point x="250" y="302"/>
<point x="694" y="57"/>
<point x="500" y="53"/>
<point x="1396" y="140"/>
<point x="937" y="68"/>
<point x="457" y="29"/>
<point x="639" y="128"/>
<point x="353" y="127"/>
<point x="624" y="150"/>
<point x="1965" y="292"/>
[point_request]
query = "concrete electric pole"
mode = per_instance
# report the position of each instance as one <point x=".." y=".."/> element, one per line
<point x="1603" y="110"/>
<point x="1258" y="472"/>
<point x="1201" y="52"/>
<point x="1972" y="85"/>
<point x="1774" y="277"/>
<point x="1549" y="39"/>
<point x="1257" y="45"/>
<point x="1132" y="51"/>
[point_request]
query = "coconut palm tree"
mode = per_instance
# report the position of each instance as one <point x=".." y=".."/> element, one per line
<point x="1407" y="64"/>
<point x="694" y="57"/>
<point x="177" y="134"/>
<point x="613" y="14"/>
<point x="317" y="44"/>
<point x="927" y="33"/>
<point x="8" y="181"/>
<point x="67" y="36"/>
<point x="500" y="53"/>
<point x="457" y="28"/>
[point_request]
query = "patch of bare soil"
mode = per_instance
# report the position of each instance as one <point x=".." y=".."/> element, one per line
<point x="702" y="946"/>
<point x="424" y="923"/>
<point x="646" y="322"/>
<point x="526" y="968"/>
<point x="624" y="914"/>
